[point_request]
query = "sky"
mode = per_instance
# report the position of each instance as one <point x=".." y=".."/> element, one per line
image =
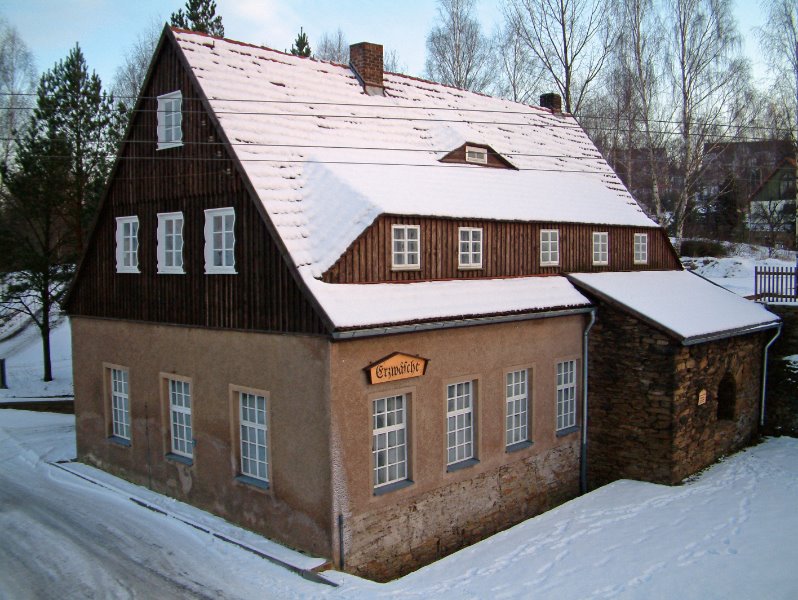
<point x="106" y="29"/>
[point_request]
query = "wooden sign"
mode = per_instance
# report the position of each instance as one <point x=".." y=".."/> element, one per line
<point x="396" y="366"/>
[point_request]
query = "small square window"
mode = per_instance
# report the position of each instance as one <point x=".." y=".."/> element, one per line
<point x="601" y="252"/>
<point x="220" y="241"/>
<point x="549" y="247"/>
<point x="406" y="247"/>
<point x="470" y="251"/>
<point x="170" y="120"/>
<point x="476" y="155"/>
<point x="641" y="248"/>
<point x="127" y="244"/>
<point x="170" y="242"/>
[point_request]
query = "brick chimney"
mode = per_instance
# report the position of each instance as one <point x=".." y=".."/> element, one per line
<point x="365" y="59"/>
<point x="553" y="102"/>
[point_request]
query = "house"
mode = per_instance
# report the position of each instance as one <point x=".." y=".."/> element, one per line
<point x="330" y="304"/>
<point x="771" y="216"/>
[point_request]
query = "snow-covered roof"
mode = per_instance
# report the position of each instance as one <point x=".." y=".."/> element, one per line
<point x="352" y="306"/>
<point x="325" y="159"/>
<point x="683" y="304"/>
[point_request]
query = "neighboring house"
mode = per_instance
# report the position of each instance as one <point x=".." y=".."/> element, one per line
<point x="330" y="304"/>
<point x="771" y="217"/>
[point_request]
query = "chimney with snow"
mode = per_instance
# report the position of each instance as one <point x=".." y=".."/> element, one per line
<point x="553" y="102"/>
<point x="366" y="61"/>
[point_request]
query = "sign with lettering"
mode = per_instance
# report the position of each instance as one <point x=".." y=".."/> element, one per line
<point x="396" y="366"/>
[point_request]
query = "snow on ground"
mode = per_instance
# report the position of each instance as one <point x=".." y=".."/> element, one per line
<point x="21" y="347"/>
<point x="728" y="533"/>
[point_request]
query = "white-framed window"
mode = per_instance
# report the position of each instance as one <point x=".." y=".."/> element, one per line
<point x="389" y="439"/>
<point x="549" y="247"/>
<point x="517" y="398"/>
<point x="254" y="425"/>
<point x="127" y="244"/>
<point x="120" y="404"/>
<point x="220" y="240"/>
<point x="170" y="120"/>
<point x="470" y="251"/>
<point x="170" y="242"/>
<point x="566" y="394"/>
<point x="473" y="154"/>
<point x="641" y="248"/>
<point x="406" y="246"/>
<point x="601" y="248"/>
<point x="180" y="417"/>
<point x="459" y="422"/>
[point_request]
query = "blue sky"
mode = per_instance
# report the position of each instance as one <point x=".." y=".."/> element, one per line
<point x="105" y="29"/>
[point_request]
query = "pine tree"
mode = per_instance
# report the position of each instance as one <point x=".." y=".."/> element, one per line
<point x="72" y="105"/>
<point x="200" y="16"/>
<point x="301" y="46"/>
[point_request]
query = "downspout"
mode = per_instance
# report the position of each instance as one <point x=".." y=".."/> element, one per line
<point x="583" y="450"/>
<point x="765" y="375"/>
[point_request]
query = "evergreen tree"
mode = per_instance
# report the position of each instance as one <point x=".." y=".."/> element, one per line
<point x="72" y="106"/>
<point x="200" y="15"/>
<point x="301" y="46"/>
<point x="33" y="235"/>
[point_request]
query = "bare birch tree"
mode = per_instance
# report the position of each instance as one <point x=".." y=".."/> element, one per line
<point x="17" y="84"/>
<point x="333" y="47"/>
<point x="519" y="73"/>
<point x="130" y="75"/>
<point x="458" y="53"/>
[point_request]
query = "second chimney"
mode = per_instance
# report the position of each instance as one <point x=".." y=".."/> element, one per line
<point x="553" y="102"/>
<point x="366" y="61"/>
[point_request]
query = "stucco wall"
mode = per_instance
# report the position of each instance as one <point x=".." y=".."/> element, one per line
<point x="291" y="370"/>
<point x="387" y="535"/>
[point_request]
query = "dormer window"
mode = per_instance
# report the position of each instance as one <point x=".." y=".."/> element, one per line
<point x="170" y="120"/>
<point x="476" y="155"/>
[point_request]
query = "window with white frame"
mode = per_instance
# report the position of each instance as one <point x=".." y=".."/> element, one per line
<point x="180" y="417"/>
<point x="641" y="248"/>
<point x="406" y="246"/>
<point x="459" y="422"/>
<point x="254" y="436"/>
<point x="517" y="400"/>
<point x="549" y="247"/>
<point x="220" y="240"/>
<point x="127" y="244"/>
<point x="389" y="439"/>
<point x="566" y="394"/>
<point x="470" y="248"/>
<point x="601" y="248"/>
<point x="170" y="120"/>
<point x="476" y="155"/>
<point x="170" y="242"/>
<point x="120" y="404"/>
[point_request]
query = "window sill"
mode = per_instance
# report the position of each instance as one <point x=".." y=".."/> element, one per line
<point x="408" y="268"/>
<point x="128" y="270"/>
<point x="469" y="267"/>
<point x="601" y="264"/>
<point x="641" y="262"/>
<point x="180" y="459"/>
<point x="118" y="441"/>
<point x="252" y="481"/>
<point x="167" y="145"/>
<point x="463" y="464"/>
<point x="518" y="446"/>
<point x="550" y="264"/>
<point x="220" y="271"/>
<point x="567" y="431"/>
<point x="170" y="272"/>
<point x="392" y="487"/>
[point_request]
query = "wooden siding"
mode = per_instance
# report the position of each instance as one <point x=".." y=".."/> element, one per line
<point x="196" y="176"/>
<point x="510" y="249"/>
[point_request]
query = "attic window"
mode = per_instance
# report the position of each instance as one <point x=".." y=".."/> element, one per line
<point x="476" y="155"/>
<point x="170" y="120"/>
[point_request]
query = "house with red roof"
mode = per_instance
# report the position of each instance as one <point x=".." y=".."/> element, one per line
<point x="377" y="318"/>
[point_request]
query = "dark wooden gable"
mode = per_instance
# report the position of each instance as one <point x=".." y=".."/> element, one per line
<point x="265" y="295"/>
<point x="494" y="159"/>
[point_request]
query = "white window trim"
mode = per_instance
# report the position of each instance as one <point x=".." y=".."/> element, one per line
<point x="550" y="258"/>
<point x="483" y="153"/>
<point x="176" y="411"/>
<point x="381" y="446"/>
<point x="641" y="242"/>
<point x="162" y="220"/>
<point x="119" y="387"/>
<point x="406" y="266"/>
<point x="566" y="394"/>
<point x="246" y="428"/>
<point x="602" y="239"/>
<point x="166" y="104"/>
<point x="471" y="263"/>
<point x="516" y="393"/>
<point x="451" y="418"/>
<point x="121" y="253"/>
<point x="210" y="268"/>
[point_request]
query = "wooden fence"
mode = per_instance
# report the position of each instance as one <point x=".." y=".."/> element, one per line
<point x="776" y="284"/>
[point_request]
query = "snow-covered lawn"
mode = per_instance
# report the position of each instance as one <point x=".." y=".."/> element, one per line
<point x="729" y="533"/>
